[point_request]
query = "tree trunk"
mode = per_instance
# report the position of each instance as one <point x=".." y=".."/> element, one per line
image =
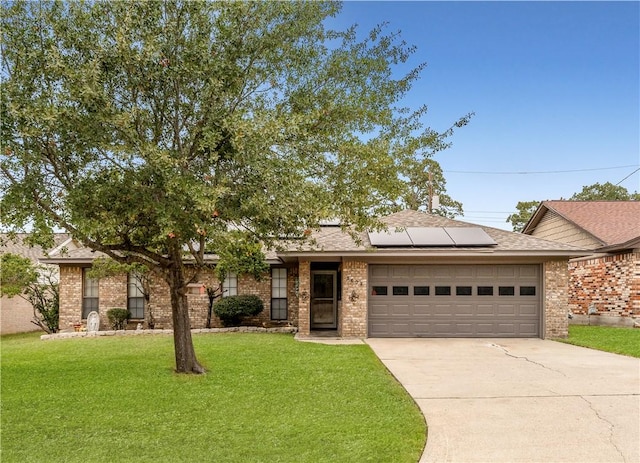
<point x="186" y="361"/>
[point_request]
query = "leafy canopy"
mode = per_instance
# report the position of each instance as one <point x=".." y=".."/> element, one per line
<point x="153" y="131"/>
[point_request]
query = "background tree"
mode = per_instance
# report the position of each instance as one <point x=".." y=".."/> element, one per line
<point x="36" y="284"/>
<point x="423" y="178"/>
<point x="149" y="130"/>
<point x="596" y="192"/>
<point x="525" y="211"/>
<point x="605" y="192"/>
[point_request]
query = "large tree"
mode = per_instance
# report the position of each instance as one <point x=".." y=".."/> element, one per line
<point x="152" y="130"/>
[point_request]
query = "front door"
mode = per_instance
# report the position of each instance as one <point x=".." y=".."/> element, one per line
<point x="324" y="313"/>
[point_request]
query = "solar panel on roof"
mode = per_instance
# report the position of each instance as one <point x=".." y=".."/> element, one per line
<point x="390" y="238"/>
<point x="469" y="236"/>
<point x="429" y="236"/>
<point x="432" y="236"/>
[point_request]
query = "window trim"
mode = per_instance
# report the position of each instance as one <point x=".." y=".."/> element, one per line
<point x="277" y="286"/>
<point x="133" y="281"/>
<point x="95" y="300"/>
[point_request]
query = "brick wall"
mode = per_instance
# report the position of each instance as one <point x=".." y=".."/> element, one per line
<point x="70" y="296"/>
<point x="556" y="299"/>
<point x="16" y="315"/>
<point x="610" y="283"/>
<point x="304" y="300"/>
<point x="353" y="313"/>
<point x="113" y="293"/>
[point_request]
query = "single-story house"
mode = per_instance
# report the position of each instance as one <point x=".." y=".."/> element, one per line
<point x="606" y="282"/>
<point x="16" y="313"/>
<point x="427" y="276"/>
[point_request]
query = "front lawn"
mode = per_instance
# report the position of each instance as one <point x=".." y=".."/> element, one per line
<point x="266" y="398"/>
<point x="624" y="341"/>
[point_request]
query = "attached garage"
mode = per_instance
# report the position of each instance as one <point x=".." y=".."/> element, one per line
<point x="454" y="300"/>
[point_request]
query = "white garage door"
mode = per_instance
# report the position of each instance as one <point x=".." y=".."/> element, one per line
<point x="454" y="300"/>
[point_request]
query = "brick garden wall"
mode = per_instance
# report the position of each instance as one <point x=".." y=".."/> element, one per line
<point x="610" y="283"/>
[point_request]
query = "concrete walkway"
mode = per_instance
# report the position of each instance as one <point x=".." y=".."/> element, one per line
<point x="519" y="400"/>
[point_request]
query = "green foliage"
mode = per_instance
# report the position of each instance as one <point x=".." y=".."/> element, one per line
<point x="118" y="318"/>
<point x="419" y="185"/>
<point x="153" y="130"/>
<point x="258" y="383"/>
<point x="232" y="309"/>
<point x="36" y="284"/>
<point x="625" y="341"/>
<point x="240" y="254"/>
<point x="605" y="192"/>
<point x="18" y="274"/>
<point x="525" y="211"/>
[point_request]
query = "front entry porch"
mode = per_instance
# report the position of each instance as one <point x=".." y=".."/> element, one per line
<point x="333" y="299"/>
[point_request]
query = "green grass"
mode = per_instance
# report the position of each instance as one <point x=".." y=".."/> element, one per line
<point x="624" y="341"/>
<point x="266" y="398"/>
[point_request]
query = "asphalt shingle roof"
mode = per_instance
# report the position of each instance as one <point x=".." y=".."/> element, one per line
<point x="19" y="247"/>
<point x="611" y="222"/>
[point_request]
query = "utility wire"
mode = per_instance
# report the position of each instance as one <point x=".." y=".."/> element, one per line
<point x="541" y="171"/>
<point x="628" y="176"/>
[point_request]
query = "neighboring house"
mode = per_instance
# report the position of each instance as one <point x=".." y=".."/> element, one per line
<point x="436" y="277"/>
<point x="16" y="313"/>
<point x="606" y="282"/>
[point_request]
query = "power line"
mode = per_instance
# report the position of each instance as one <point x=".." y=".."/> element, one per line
<point x="628" y="176"/>
<point x="539" y="172"/>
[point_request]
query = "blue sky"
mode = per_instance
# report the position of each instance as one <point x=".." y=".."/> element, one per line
<point x="554" y="87"/>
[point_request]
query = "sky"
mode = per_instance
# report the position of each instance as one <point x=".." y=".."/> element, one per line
<point x="555" y="87"/>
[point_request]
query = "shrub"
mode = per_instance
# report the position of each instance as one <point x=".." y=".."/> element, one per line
<point x="232" y="309"/>
<point x="118" y="318"/>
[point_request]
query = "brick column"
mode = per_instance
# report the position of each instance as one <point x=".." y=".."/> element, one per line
<point x="556" y="299"/>
<point x="304" y="299"/>
<point x="70" y="296"/>
<point x="353" y="317"/>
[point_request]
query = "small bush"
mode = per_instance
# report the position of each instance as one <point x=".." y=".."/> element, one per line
<point x="118" y="318"/>
<point x="232" y="309"/>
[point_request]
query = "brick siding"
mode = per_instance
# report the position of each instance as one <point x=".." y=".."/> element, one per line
<point x="611" y="283"/>
<point x="353" y="313"/>
<point x="112" y="293"/>
<point x="556" y="299"/>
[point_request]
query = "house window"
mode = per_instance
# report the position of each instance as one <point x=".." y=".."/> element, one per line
<point x="278" y="294"/>
<point x="135" y="296"/>
<point x="230" y="285"/>
<point x="89" y="294"/>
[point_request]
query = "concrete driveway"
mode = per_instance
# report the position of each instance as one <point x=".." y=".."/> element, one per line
<point x="519" y="400"/>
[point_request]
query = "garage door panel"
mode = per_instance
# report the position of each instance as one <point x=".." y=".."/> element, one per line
<point x="485" y="310"/>
<point x="422" y="310"/>
<point x="528" y="309"/>
<point x="464" y="310"/>
<point x="506" y="310"/>
<point x="481" y="301"/>
<point x="380" y="271"/>
<point x="398" y="309"/>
